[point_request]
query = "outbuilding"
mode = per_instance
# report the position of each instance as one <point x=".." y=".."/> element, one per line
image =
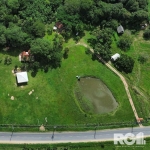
<point x="120" y="29"/>
<point x="54" y="28"/>
<point x="115" y="57"/>
<point x="22" y="77"/>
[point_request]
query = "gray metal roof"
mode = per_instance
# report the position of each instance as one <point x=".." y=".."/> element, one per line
<point x="120" y="29"/>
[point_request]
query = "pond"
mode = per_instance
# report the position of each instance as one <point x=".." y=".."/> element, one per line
<point x="94" y="96"/>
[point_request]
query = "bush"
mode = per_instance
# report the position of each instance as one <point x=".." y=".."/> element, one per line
<point x="146" y="34"/>
<point x="66" y="51"/>
<point x="7" y="60"/>
<point x="142" y="59"/>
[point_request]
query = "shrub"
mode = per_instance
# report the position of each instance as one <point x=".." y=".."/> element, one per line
<point x="66" y="51"/>
<point x="146" y="34"/>
<point x="7" y="60"/>
<point x="142" y="59"/>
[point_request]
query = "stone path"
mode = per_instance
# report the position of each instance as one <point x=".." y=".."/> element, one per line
<point x="122" y="79"/>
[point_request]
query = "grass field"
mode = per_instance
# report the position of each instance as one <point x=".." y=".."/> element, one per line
<point x="53" y="95"/>
<point x="139" y="78"/>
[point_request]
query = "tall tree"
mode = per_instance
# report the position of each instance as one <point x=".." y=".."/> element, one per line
<point x="45" y="53"/>
<point x="15" y="36"/>
<point x="125" y="63"/>
<point x="2" y="35"/>
<point x="125" y="41"/>
<point x="38" y="29"/>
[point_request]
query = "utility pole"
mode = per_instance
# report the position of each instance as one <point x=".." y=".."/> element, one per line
<point x="53" y="132"/>
<point x="12" y="133"/>
<point x="95" y="133"/>
<point x="132" y="128"/>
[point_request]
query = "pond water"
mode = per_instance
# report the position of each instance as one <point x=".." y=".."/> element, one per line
<point x="97" y="95"/>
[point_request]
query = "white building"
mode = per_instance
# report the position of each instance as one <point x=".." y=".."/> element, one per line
<point x="120" y="29"/>
<point x="115" y="57"/>
<point x="22" y="77"/>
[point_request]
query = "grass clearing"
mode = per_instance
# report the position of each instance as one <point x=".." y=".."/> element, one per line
<point x="55" y="92"/>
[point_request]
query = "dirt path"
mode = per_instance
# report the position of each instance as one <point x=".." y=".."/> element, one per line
<point x="122" y="79"/>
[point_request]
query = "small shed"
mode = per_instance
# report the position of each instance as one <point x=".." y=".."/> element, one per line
<point x="22" y="77"/>
<point x="120" y="29"/>
<point x="59" y="26"/>
<point x="115" y="57"/>
<point x="54" y="28"/>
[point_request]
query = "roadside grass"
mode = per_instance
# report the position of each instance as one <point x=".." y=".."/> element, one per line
<point x="105" y="145"/>
<point x="53" y="95"/>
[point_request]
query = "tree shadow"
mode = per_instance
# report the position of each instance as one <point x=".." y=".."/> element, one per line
<point x="91" y="41"/>
<point x="21" y="84"/>
<point x="65" y="55"/>
<point x="34" y="73"/>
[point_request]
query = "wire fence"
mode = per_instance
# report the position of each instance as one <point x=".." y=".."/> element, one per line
<point x="88" y="126"/>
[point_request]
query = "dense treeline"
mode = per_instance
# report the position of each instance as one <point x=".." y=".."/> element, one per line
<point x="22" y="22"/>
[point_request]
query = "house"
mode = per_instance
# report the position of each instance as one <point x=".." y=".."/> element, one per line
<point x="22" y="77"/>
<point x="25" y="55"/>
<point x="115" y="57"/>
<point x="120" y="29"/>
<point x="58" y="26"/>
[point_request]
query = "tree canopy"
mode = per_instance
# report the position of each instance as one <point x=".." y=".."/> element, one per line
<point x="125" y="63"/>
<point x="24" y="22"/>
<point x="125" y="41"/>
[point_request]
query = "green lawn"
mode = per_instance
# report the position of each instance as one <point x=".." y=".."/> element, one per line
<point x="108" y="145"/>
<point x="55" y="92"/>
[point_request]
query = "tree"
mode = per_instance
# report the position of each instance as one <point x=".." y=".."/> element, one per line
<point x="103" y="51"/>
<point x="16" y="37"/>
<point x="12" y="4"/>
<point x="125" y="41"/>
<point x="2" y="35"/>
<point x="132" y="5"/>
<point x="38" y="29"/>
<point x="103" y="42"/>
<point x="139" y="16"/>
<point x="124" y="63"/>
<point x="45" y="53"/>
<point x="2" y="39"/>
<point x="72" y="6"/>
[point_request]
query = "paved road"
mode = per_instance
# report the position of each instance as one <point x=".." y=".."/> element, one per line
<point x="65" y="137"/>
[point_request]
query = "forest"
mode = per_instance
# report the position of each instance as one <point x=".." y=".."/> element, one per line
<point x="23" y="24"/>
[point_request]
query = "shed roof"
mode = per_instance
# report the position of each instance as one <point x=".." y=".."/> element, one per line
<point x="59" y="25"/>
<point x="115" y="56"/>
<point x="22" y="77"/>
<point x="120" y="29"/>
